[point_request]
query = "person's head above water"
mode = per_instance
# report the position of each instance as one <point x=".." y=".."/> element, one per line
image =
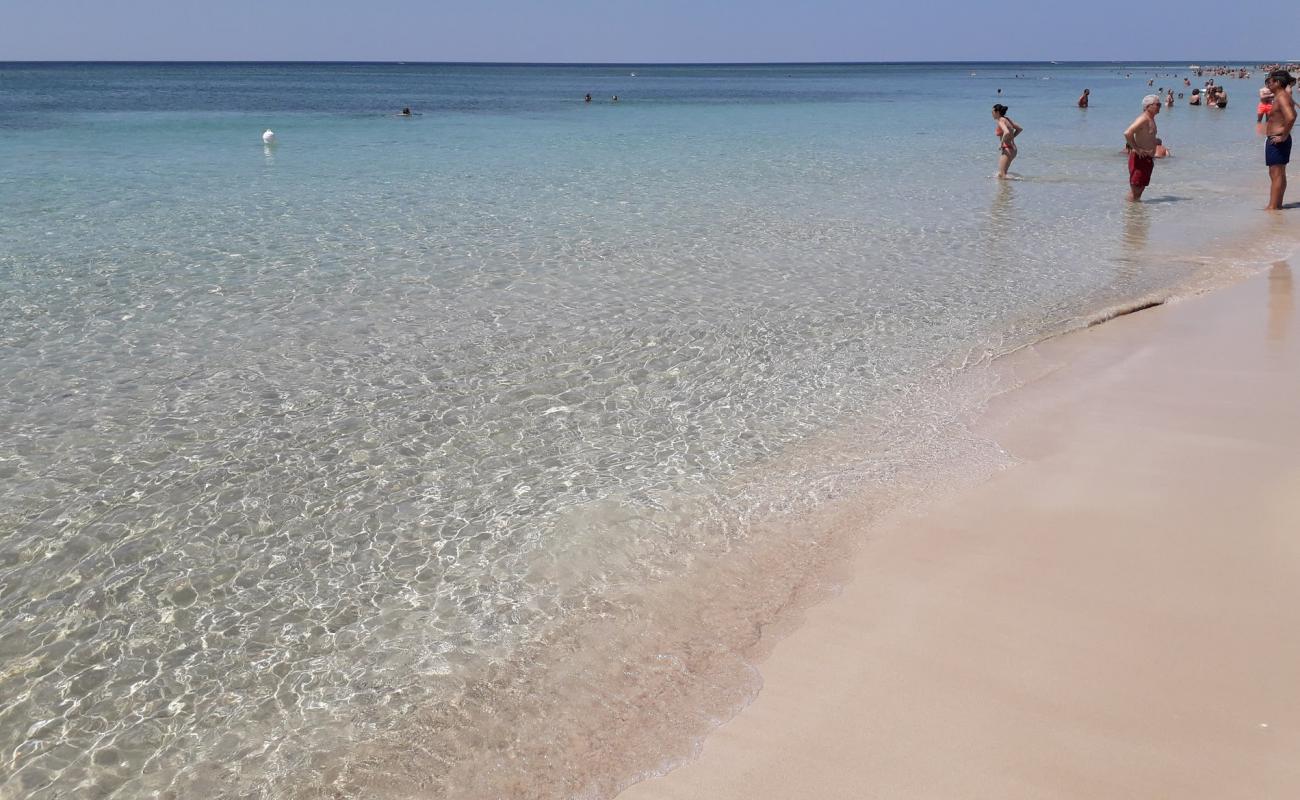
<point x="1281" y="77"/>
<point x="999" y="110"/>
<point x="406" y="112"/>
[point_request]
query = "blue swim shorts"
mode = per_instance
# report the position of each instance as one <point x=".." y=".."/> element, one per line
<point x="1277" y="154"/>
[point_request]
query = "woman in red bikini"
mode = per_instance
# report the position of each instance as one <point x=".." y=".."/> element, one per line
<point x="1006" y="131"/>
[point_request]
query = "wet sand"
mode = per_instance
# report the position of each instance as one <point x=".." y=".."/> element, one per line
<point x="1118" y="615"/>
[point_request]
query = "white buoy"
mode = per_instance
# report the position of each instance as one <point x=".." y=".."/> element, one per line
<point x="268" y="137"/>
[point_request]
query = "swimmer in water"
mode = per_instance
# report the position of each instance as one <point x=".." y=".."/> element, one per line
<point x="1140" y="137"/>
<point x="1006" y="130"/>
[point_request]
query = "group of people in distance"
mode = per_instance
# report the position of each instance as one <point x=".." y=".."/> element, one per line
<point x="1276" y="115"/>
<point x="1215" y="96"/>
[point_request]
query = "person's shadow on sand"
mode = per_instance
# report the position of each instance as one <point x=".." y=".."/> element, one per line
<point x="1169" y="198"/>
<point x="1281" y="300"/>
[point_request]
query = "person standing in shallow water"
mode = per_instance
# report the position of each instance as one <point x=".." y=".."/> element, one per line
<point x="1277" y="128"/>
<point x="1140" y="139"/>
<point x="1006" y="131"/>
<point x="1083" y="98"/>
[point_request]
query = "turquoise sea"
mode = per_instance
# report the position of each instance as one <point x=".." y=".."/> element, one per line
<point x="469" y="454"/>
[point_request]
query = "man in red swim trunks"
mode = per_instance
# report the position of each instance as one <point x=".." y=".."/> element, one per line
<point x="1140" y="139"/>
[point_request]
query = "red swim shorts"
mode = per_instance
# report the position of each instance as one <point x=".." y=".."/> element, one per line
<point x="1139" y="169"/>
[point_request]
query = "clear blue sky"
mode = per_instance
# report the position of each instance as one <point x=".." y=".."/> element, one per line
<point x="626" y="31"/>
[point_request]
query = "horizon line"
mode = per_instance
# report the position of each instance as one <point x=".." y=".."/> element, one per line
<point x="408" y="62"/>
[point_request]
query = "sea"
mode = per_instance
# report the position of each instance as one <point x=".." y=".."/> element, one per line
<point x="478" y="453"/>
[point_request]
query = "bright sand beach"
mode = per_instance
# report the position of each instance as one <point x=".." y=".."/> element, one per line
<point x="1115" y="616"/>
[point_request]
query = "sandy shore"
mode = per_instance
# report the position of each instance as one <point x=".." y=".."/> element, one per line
<point x="1116" y="616"/>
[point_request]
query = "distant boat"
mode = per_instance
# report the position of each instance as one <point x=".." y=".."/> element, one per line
<point x="633" y="74"/>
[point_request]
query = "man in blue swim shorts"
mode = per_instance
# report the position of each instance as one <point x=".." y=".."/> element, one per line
<point x="1277" y="146"/>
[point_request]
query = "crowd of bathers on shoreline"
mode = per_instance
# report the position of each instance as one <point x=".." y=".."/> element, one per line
<point x="1274" y="117"/>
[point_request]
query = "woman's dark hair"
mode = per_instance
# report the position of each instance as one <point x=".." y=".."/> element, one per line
<point x="1001" y="109"/>
<point x="1282" y="76"/>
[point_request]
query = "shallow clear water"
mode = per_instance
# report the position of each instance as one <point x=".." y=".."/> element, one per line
<point x="309" y="453"/>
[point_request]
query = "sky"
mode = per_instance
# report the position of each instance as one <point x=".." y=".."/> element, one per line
<point x="632" y="31"/>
